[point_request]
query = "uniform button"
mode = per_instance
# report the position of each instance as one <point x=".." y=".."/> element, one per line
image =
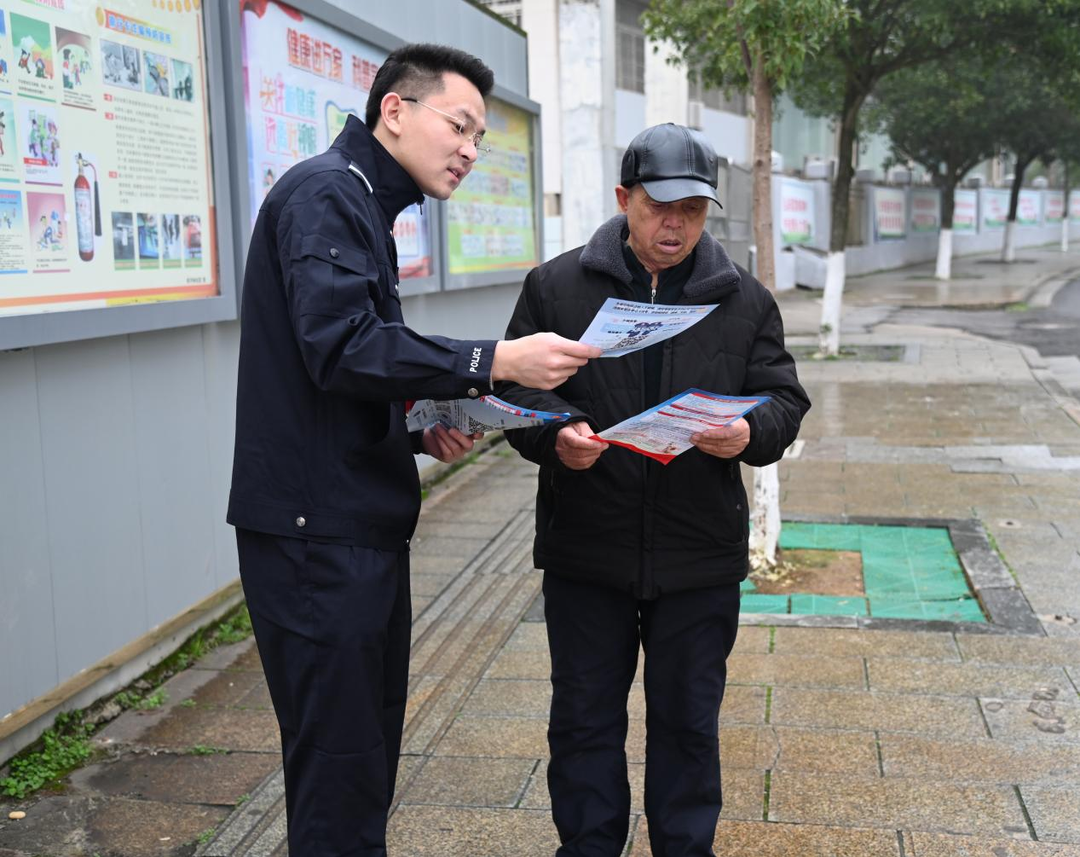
<point x="301" y="522"/>
<point x="738" y="507"/>
<point x="473" y="392"/>
<point x="334" y="252"/>
<point x="406" y="542"/>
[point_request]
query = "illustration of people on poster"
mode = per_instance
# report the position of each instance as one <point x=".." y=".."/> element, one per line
<point x="192" y="240"/>
<point x="32" y="46"/>
<point x="149" y="254"/>
<point x="12" y="233"/>
<point x="5" y="53"/>
<point x="120" y="65"/>
<point x="171" y="253"/>
<point x="157" y="74"/>
<point x="8" y="149"/>
<point x="304" y="80"/>
<point x="76" y="67"/>
<point x="183" y="80"/>
<point x="39" y="132"/>
<point x="123" y="231"/>
<point x="48" y="230"/>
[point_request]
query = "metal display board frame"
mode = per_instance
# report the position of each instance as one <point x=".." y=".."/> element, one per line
<point x="26" y="330"/>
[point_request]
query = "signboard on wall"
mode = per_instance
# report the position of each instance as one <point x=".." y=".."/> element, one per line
<point x="890" y="214"/>
<point x="1054" y="202"/>
<point x="966" y="211"/>
<point x="1074" y="206"/>
<point x="995" y="208"/>
<point x="302" y="81"/>
<point x="1029" y="208"/>
<point x="925" y="210"/>
<point x="796" y="212"/>
<point x="491" y="218"/>
<point x="106" y="192"/>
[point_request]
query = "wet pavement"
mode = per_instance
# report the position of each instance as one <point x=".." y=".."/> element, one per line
<point x="933" y="739"/>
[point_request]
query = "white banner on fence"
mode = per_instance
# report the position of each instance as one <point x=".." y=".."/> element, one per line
<point x="1053" y="206"/>
<point x="965" y="211"/>
<point x="1029" y="208"/>
<point x="995" y="208"/>
<point x="1074" y="206"/>
<point x="925" y="210"/>
<point x="796" y="212"/>
<point x="890" y="214"/>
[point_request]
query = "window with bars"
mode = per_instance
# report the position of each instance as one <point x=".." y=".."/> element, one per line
<point x="630" y="58"/>
<point x="715" y="99"/>
<point x="508" y="9"/>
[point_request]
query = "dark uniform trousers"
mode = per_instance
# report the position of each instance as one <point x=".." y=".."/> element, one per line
<point x="332" y="623"/>
<point x="593" y="633"/>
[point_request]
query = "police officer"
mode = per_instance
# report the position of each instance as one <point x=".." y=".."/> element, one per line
<point x="325" y="493"/>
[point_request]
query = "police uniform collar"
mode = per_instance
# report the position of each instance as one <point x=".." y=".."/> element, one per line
<point x="392" y="187"/>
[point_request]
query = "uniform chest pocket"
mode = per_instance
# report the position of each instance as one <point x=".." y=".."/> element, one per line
<point x="349" y="275"/>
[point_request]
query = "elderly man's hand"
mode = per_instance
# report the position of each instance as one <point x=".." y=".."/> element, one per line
<point x="575" y="448"/>
<point x="447" y="444"/>
<point x="724" y="442"/>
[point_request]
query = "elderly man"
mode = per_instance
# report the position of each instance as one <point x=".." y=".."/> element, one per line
<point x="633" y="551"/>
<point x="325" y="493"/>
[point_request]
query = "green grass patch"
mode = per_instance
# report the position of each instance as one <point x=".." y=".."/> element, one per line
<point x="204" y="750"/>
<point x="62" y="749"/>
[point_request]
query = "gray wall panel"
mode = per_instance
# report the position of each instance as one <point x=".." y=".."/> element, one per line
<point x="220" y="347"/>
<point x="92" y="487"/>
<point x="27" y="632"/>
<point x="173" y="456"/>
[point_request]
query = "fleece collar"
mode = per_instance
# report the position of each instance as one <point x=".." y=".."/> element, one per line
<point x="714" y="274"/>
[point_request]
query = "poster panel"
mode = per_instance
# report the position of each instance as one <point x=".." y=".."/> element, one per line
<point x="890" y="214"/>
<point x="105" y="169"/>
<point x="302" y="79"/>
<point x="1029" y="208"/>
<point x="995" y="208"/>
<point x="796" y="212"/>
<point x="966" y="211"/>
<point x="1054" y="206"/>
<point x="491" y="219"/>
<point x="925" y="210"/>
<point x="1074" y="206"/>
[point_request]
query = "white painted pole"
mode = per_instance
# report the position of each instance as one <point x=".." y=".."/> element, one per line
<point x="1008" y="253"/>
<point x="1065" y="233"/>
<point x="944" y="255"/>
<point x="832" y="302"/>
<point x="765" y="529"/>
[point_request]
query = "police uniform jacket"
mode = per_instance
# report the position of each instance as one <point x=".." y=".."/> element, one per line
<point x="326" y="362"/>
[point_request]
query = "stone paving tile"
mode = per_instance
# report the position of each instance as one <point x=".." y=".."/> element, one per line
<point x="888" y="712"/>
<point x="512" y="663"/>
<point x="752" y="639"/>
<point x="743" y="704"/>
<point x="428" y="585"/>
<point x="431" y="831"/>
<point x="962" y="679"/>
<point x="796" y="671"/>
<point x="753" y="747"/>
<point x="516" y="737"/>
<point x="528" y="637"/>
<point x="881" y="644"/>
<point x="231" y="729"/>
<point x="743" y="791"/>
<point x="448" y="781"/>
<point x="946" y="845"/>
<point x="768" y="839"/>
<point x="1031" y="651"/>
<point x="895" y="804"/>
<point x="827" y="752"/>
<point x="1054" y="811"/>
<point x="982" y="760"/>
<point x="229" y="688"/>
<point x="1048" y="722"/>
<point x="451" y="550"/>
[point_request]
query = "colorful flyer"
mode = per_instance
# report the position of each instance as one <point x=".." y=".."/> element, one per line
<point x="621" y="327"/>
<point x="469" y="416"/>
<point x="664" y="432"/>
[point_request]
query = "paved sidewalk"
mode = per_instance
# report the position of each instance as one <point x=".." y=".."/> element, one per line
<point x="931" y="740"/>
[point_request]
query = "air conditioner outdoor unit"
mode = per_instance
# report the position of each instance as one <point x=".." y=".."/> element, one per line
<point x="695" y="116"/>
<point x="974" y="181"/>
<point x="815" y="168"/>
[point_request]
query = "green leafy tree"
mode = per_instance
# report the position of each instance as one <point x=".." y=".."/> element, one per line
<point x="938" y="116"/>
<point x="754" y="47"/>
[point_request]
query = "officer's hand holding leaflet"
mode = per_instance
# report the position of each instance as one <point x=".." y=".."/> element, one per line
<point x="724" y="442"/>
<point x="542" y="361"/>
<point x="447" y="445"/>
<point x="576" y="448"/>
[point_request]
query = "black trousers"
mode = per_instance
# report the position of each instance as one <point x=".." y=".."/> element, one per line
<point x="332" y="623"/>
<point x="593" y="633"/>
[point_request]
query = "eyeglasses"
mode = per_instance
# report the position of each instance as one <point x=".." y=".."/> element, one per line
<point x="463" y="128"/>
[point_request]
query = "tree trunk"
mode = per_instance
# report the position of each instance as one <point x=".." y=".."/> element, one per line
<point x="762" y="192"/>
<point x="765" y="525"/>
<point x="944" y="250"/>
<point x="1008" y="249"/>
<point x="832" y="302"/>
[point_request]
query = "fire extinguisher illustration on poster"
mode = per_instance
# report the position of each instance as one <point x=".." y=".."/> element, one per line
<point x="87" y="210"/>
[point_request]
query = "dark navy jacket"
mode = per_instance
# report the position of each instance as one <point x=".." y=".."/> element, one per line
<point x="326" y="363"/>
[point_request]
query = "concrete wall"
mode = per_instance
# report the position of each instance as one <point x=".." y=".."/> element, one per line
<point x="116" y="452"/>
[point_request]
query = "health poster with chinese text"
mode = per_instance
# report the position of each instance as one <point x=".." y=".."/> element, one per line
<point x="105" y="171"/>
<point x="302" y="80"/>
<point x="664" y="431"/>
<point x="620" y="327"/>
